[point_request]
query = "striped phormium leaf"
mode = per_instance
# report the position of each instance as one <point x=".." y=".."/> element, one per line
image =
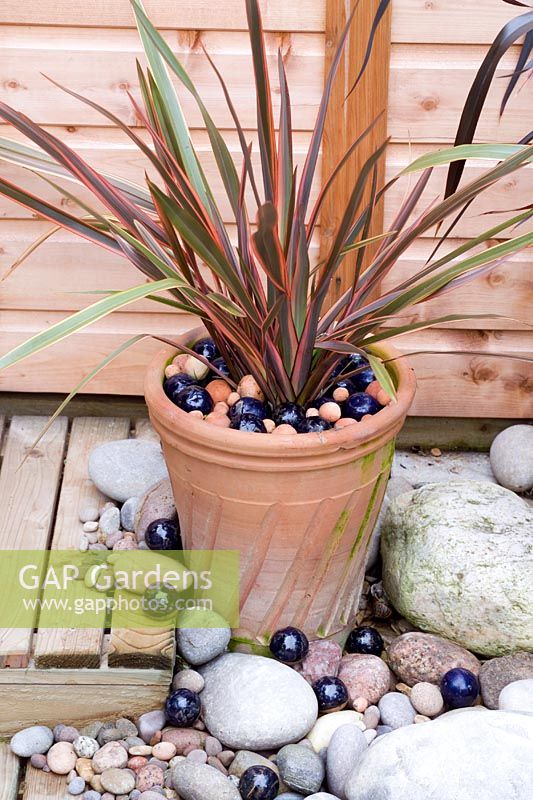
<point x="261" y="297"/>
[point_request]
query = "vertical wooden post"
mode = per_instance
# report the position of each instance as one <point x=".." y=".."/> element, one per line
<point x="347" y="119"/>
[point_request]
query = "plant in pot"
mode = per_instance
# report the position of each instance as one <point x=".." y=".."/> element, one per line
<point x="278" y="415"/>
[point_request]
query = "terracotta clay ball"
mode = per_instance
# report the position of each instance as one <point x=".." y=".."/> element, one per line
<point x="220" y="420"/>
<point x="233" y="398"/>
<point x="341" y="394"/>
<point x="219" y="390"/>
<point x="284" y="430"/>
<point x="383" y="398"/>
<point x="344" y="422"/>
<point x="373" y="388"/>
<point x="197" y="414"/>
<point x="269" y="425"/>
<point x="180" y="361"/>
<point x="330" y="412"/>
<point x="171" y="370"/>
<point x="312" y="412"/>
<point x="222" y="408"/>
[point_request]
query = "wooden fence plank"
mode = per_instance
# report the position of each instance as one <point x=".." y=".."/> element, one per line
<point x="450" y="21"/>
<point x="108" y="74"/>
<point x="278" y="14"/>
<point x="71" y="647"/>
<point x="28" y="493"/>
<point x="9" y="773"/>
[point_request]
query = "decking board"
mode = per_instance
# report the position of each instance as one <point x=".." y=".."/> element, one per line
<point x="9" y="773"/>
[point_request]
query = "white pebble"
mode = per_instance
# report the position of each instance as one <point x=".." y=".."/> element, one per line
<point x="89" y="514"/>
<point x="90" y="526"/>
<point x="110" y="521"/>
<point x="84" y="543"/>
<point x="427" y="699"/>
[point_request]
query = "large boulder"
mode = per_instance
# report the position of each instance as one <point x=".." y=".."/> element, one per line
<point x="468" y="755"/>
<point x="458" y="561"/>
<point x="255" y="703"/>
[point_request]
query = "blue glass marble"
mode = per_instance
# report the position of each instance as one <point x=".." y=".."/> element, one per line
<point x="206" y="348"/>
<point x="363" y="379"/>
<point x="319" y="401"/>
<point x="163" y="534"/>
<point x="194" y="398"/>
<point x="248" y="405"/>
<point x="160" y="602"/>
<point x="360" y="404"/>
<point x="222" y="367"/>
<point x="248" y="423"/>
<point x="289" y="645"/>
<point x="314" y="425"/>
<point x="365" y="640"/>
<point x="182" y="708"/>
<point x="288" y="414"/>
<point x="259" y="783"/>
<point x="176" y="384"/>
<point x="331" y="693"/>
<point x="460" y="688"/>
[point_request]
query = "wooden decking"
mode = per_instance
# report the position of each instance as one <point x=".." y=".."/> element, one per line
<point x="68" y="675"/>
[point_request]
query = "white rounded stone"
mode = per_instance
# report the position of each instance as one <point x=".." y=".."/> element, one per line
<point x="511" y="458"/>
<point x="517" y="696"/>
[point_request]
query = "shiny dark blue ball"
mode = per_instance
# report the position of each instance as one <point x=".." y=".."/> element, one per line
<point x="222" y="367"/>
<point x="459" y="688"/>
<point x="331" y="693"/>
<point x="248" y="423"/>
<point x="359" y="404"/>
<point x="288" y="414"/>
<point x="314" y="425"/>
<point x="162" y="534"/>
<point x="176" y="384"/>
<point x="324" y="398"/>
<point x="363" y="379"/>
<point x="206" y="348"/>
<point x="248" y="405"/>
<point x="259" y="783"/>
<point x="289" y="645"/>
<point x="194" y="398"/>
<point x="365" y="640"/>
<point x="346" y="383"/>
<point x="183" y="708"/>
<point x="348" y="364"/>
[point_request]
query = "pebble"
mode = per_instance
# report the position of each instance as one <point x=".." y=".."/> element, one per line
<point x="517" y="696"/>
<point x="85" y="746"/>
<point x="110" y="734"/>
<point x="156" y="503"/>
<point x="381" y="730"/>
<point x="83" y="544"/>
<point x="421" y="718"/>
<point x="92" y="795"/>
<point x="150" y="723"/>
<point x="365" y="676"/>
<point x="325" y="727"/>
<point x="38" y="761"/>
<point x="61" y="758"/>
<point x="346" y="747"/>
<point x="396" y="710"/>
<point x="300" y="768"/>
<point x="371" y="717"/>
<point x="68" y="734"/>
<point x="117" y="781"/>
<point x="425" y="658"/>
<point x="84" y="768"/>
<point x="89" y="514"/>
<point x="113" y="539"/>
<point x="127" y="513"/>
<point x="136" y="762"/>
<point x="426" y="699"/>
<point x="90" y="527"/>
<point x="370" y="735"/>
<point x="212" y="746"/>
<point x="226" y="757"/>
<point x="140" y="750"/>
<point x="184" y="737"/>
<point x="30" y="741"/>
<point x="110" y="521"/>
<point x="110" y="755"/>
<point x="165" y="751"/>
<point x="511" y="458"/>
<point x="188" y="679"/>
<point x="126" y="468"/>
<point x="323" y="659"/>
<point x="92" y="729"/>
<point x="126" y="727"/>
<point x="497" y="673"/>
<point x="252" y="702"/>
<point x="244" y="759"/>
<point x="201" y="782"/>
<point x="197" y="757"/>
<point x="202" y="636"/>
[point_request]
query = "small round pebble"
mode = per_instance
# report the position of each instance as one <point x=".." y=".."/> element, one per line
<point x="427" y="699"/>
<point x="127" y="513"/>
<point x="85" y="746"/>
<point x="396" y="710"/>
<point x="371" y="717"/>
<point x="29" y="741"/>
<point x="38" y="761"/>
<point x="68" y="734"/>
<point x="76" y="786"/>
<point x="88" y="514"/>
<point x="149" y="776"/>
<point x="61" y="758"/>
<point x="381" y="730"/>
<point x="110" y="521"/>
<point x="188" y="679"/>
<point x="92" y="795"/>
<point x="197" y="756"/>
<point x="90" y="527"/>
<point x="118" y="781"/>
<point x="164" y="751"/>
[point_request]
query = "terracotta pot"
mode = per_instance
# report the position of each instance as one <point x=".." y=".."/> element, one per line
<point x="299" y="508"/>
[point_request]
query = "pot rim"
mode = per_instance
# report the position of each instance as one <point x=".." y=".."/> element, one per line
<point x="201" y="434"/>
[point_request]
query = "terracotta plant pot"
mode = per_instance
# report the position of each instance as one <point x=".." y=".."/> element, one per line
<point x="299" y="508"/>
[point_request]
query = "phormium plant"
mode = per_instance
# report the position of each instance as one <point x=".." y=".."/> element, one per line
<point x="260" y="298"/>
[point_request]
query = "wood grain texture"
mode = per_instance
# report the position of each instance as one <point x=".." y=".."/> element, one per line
<point x="43" y="785"/>
<point x="28" y="489"/>
<point x="278" y="14"/>
<point x="452" y="21"/>
<point x="9" y="773"/>
<point x="66" y="647"/>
